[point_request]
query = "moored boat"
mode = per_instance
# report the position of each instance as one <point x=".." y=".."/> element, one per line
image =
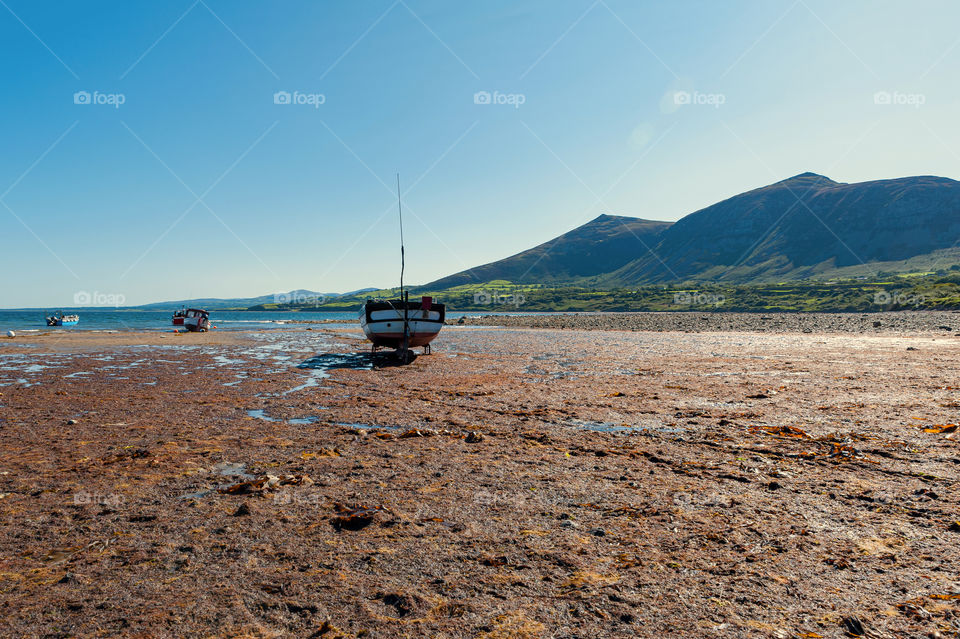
<point x="59" y="319"/>
<point x="401" y="324"/>
<point x="196" y="320"/>
<point x="387" y="322"/>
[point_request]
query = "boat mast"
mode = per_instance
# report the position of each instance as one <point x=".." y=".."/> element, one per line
<point x="400" y="210"/>
<point x="403" y="295"/>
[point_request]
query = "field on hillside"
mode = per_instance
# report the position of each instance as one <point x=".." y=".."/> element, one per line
<point x="918" y="291"/>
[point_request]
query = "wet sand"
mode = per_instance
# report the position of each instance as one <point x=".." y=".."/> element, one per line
<point x="517" y="483"/>
<point x="703" y="321"/>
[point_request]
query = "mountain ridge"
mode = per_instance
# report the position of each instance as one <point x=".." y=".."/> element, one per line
<point x="806" y="225"/>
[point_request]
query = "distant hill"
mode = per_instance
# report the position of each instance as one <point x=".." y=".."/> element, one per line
<point x="803" y="227"/>
<point x="807" y="226"/>
<point x="600" y="246"/>
<point x="300" y="296"/>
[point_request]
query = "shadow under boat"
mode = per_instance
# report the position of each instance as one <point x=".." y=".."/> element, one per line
<point x="357" y="361"/>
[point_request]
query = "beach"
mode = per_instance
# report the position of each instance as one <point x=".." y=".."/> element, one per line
<point x="704" y="321"/>
<point x="556" y="476"/>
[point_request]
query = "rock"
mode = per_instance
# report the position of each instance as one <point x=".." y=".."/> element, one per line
<point x="473" y="437"/>
<point x="911" y="348"/>
<point x="598" y="532"/>
<point x="11" y="334"/>
<point x="353" y="518"/>
<point x="877" y="324"/>
<point x="945" y="328"/>
<point x="569" y="523"/>
<point x="71" y="422"/>
<point x="242" y="510"/>
<point x="773" y="486"/>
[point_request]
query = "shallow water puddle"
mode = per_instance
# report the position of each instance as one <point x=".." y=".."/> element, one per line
<point x="261" y="414"/>
<point x="320" y="365"/>
<point x="611" y="427"/>
<point x="366" y="426"/>
<point x="312" y="381"/>
<point x="239" y="378"/>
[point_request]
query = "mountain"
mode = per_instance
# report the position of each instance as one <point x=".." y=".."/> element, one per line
<point x="803" y="227"/>
<point x="300" y="296"/>
<point x="602" y="245"/>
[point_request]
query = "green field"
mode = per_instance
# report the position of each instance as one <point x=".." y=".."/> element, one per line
<point x="912" y="291"/>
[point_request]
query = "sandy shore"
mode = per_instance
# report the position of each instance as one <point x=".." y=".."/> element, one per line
<point x="516" y="483"/>
<point x="901" y="323"/>
<point x="74" y="341"/>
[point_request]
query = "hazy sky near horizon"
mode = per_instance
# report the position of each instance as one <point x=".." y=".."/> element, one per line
<point x="195" y="148"/>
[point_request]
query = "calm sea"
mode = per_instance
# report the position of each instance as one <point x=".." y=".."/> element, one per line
<point x="102" y="319"/>
<point x="130" y="320"/>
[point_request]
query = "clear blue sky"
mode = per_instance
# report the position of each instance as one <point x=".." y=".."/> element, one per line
<point x="95" y="197"/>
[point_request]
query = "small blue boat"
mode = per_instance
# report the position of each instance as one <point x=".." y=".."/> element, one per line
<point x="59" y="319"/>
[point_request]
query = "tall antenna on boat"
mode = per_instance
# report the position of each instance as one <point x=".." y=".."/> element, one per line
<point x="400" y="210"/>
<point x="404" y="300"/>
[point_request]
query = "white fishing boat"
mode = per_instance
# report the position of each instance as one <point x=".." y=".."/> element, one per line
<point x="401" y="324"/>
<point x="59" y="319"/>
<point x="196" y="320"/>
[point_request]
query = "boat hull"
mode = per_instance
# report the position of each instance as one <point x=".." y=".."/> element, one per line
<point x="62" y="322"/>
<point x="178" y="321"/>
<point x="382" y="323"/>
<point x="196" y="324"/>
<point x="196" y="320"/>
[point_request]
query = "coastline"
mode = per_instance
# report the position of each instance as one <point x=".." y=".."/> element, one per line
<point x="898" y="322"/>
